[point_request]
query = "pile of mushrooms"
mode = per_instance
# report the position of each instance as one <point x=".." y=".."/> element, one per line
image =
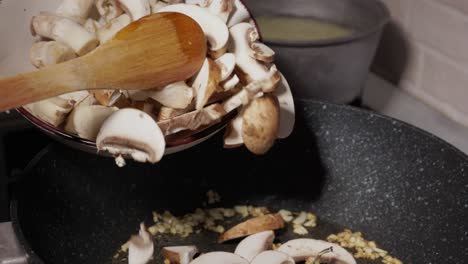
<point x="237" y="75"/>
<point x="257" y="247"/>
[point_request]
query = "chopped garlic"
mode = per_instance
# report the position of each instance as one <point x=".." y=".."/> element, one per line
<point x="242" y="210"/>
<point x="300" y="230"/>
<point x="300" y="219"/>
<point x="286" y="215"/>
<point x="120" y="161"/>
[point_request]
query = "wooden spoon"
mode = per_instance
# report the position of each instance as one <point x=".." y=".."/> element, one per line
<point x="154" y="51"/>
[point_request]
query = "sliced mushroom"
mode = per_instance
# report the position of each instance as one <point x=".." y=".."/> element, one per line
<point x="302" y="249"/>
<point x="111" y="28"/>
<point x="219" y="258"/>
<point x="193" y="120"/>
<point x="255" y="244"/>
<point x="141" y="247"/>
<point x="226" y="63"/>
<point x="233" y="135"/>
<point x="239" y="14"/>
<point x="107" y="97"/>
<point x="136" y="8"/>
<point x="166" y="113"/>
<point x="46" y="53"/>
<point x="221" y="8"/>
<point x="91" y="25"/>
<point x="108" y="9"/>
<point x="64" y="30"/>
<point x="86" y="120"/>
<point x="76" y="10"/>
<point x="53" y="110"/>
<point x="156" y="5"/>
<point x="272" y="257"/>
<point x="288" y="112"/>
<point x="254" y="70"/>
<point x="214" y="28"/>
<point x="230" y="83"/>
<point x="131" y="132"/>
<point x="262" y="52"/>
<point x="180" y="255"/>
<point x="144" y="106"/>
<point x="239" y="99"/>
<point x="261" y="124"/>
<point x="177" y="95"/>
<point x="75" y="98"/>
<point x="253" y="226"/>
<point x="201" y="3"/>
<point x="206" y="82"/>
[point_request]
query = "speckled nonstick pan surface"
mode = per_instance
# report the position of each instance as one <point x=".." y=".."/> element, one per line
<point x="402" y="187"/>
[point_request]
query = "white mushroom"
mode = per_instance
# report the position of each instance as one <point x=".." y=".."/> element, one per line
<point x="131" y="132"/>
<point x="261" y="124"/>
<point x="111" y="28"/>
<point x="177" y="95"/>
<point x="272" y="257"/>
<point x="206" y="82"/>
<point x="226" y="63"/>
<point x="86" y="120"/>
<point x="136" y="8"/>
<point x="243" y="35"/>
<point x="287" y="113"/>
<point x="302" y="249"/>
<point x="239" y="14"/>
<point x="91" y="25"/>
<point x="214" y="28"/>
<point x="46" y="53"/>
<point x="201" y="3"/>
<point x="193" y="120"/>
<point x="52" y="111"/>
<point x="141" y="247"/>
<point x="64" y="30"/>
<point x="255" y="244"/>
<point x="156" y="5"/>
<point x="262" y="52"/>
<point x="230" y="83"/>
<point x="221" y="8"/>
<point x="108" y="9"/>
<point x="219" y="258"/>
<point x="180" y="255"/>
<point x="233" y="135"/>
<point x="77" y="10"/>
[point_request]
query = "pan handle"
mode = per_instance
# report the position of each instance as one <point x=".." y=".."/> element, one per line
<point x="11" y="251"/>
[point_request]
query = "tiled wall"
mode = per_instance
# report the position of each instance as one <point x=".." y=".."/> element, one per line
<point x="425" y="52"/>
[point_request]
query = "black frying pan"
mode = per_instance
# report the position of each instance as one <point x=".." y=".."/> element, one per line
<point x="402" y="187"/>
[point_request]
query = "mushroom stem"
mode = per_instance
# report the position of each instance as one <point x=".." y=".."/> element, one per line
<point x="64" y="30"/>
<point x="77" y="10"/>
<point x="108" y="9"/>
<point x="46" y="53"/>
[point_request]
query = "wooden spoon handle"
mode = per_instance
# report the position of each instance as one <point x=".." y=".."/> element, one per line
<point x="35" y="86"/>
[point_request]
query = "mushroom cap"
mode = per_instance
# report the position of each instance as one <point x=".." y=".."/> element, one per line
<point x="136" y="8"/>
<point x="45" y="53"/>
<point x="215" y="29"/>
<point x="86" y="120"/>
<point x="261" y="124"/>
<point x="272" y="257"/>
<point x="206" y="82"/>
<point x="141" y="247"/>
<point x="219" y="257"/>
<point x="304" y="248"/>
<point x="131" y="132"/>
<point x="255" y="244"/>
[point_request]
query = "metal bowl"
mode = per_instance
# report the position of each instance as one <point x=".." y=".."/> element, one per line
<point x="332" y="69"/>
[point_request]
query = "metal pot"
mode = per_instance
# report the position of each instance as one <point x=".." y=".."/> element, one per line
<point x="331" y="70"/>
